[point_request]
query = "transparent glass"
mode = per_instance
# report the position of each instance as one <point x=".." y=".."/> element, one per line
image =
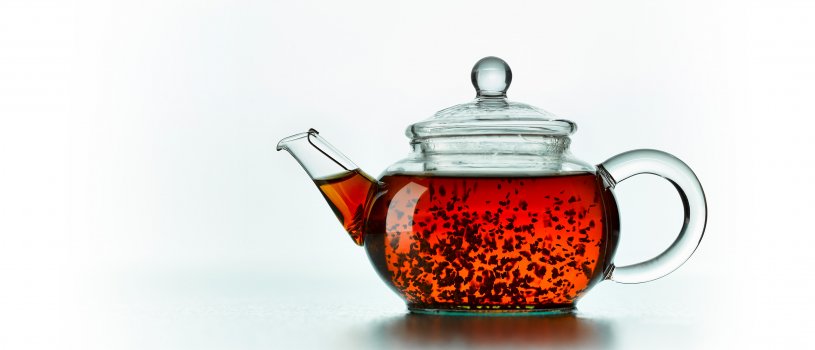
<point x="490" y="212"/>
<point x="631" y="163"/>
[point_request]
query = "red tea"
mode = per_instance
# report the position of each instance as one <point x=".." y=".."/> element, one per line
<point x="347" y="194"/>
<point x="492" y="243"/>
<point x="481" y="243"/>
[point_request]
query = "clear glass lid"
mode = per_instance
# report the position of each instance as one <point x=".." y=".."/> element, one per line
<point x="490" y="136"/>
<point x="491" y="113"/>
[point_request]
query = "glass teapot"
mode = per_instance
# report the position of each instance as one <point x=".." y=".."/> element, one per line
<point x="490" y="212"/>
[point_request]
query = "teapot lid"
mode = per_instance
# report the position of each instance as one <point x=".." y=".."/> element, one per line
<point x="491" y="113"/>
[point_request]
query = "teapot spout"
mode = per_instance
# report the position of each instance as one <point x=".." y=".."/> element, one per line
<point x="347" y="189"/>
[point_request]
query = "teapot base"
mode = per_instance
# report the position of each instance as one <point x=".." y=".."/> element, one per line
<point x="492" y="310"/>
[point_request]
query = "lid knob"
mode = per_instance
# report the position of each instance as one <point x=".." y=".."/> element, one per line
<point x="491" y="77"/>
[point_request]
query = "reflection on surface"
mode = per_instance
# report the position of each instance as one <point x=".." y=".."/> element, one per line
<point x="414" y="330"/>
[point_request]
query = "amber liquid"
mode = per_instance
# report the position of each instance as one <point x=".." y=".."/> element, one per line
<point x="492" y="244"/>
<point x="481" y="243"/>
<point x="347" y="194"/>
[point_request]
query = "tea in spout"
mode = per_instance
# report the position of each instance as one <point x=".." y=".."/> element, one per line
<point x="347" y="189"/>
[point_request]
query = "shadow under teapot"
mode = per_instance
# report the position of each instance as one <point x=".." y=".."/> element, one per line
<point x="420" y="330"/>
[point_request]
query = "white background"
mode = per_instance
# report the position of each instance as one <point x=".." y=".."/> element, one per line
<point x="142" y="203"/>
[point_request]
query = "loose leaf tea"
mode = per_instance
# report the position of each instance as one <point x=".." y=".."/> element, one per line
<point x="492" y="243"/>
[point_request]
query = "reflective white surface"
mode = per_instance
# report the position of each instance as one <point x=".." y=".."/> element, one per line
<point x="142" y="204"/>
<point x="220" y="308"/>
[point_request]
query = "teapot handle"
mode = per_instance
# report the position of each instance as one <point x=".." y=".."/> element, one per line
<point x="625" y="165"/>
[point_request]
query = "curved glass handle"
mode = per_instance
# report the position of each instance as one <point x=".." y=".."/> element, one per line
<point x="625" y="165"/>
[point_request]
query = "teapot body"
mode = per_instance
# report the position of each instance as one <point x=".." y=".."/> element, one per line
<point x="492" y="243"/>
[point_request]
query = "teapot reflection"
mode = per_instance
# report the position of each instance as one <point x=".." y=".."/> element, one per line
<point x="423" y="330"/>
